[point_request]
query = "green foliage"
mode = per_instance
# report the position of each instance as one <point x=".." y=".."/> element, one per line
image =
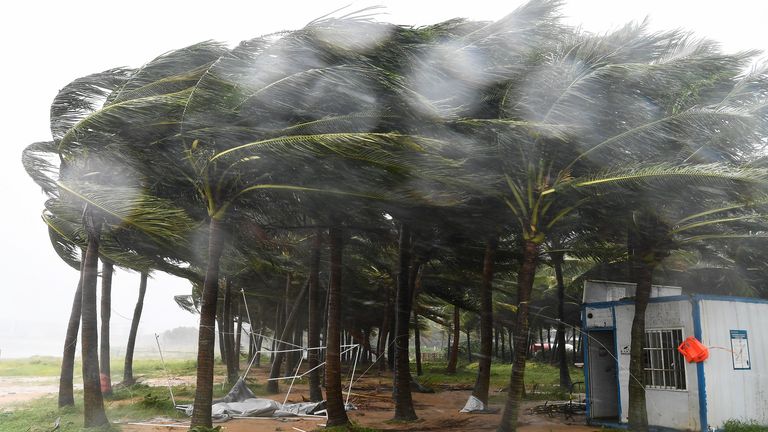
<point x="51" y="367"/>
<point x="154" y="401"/>
<point x="542" y="380"/>
<point x="743" y="426"/>
<point x="32" y="366"/>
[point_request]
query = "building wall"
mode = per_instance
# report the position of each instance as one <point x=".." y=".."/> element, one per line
<point x="730" y="393"/>
<point x="678" y="409"/>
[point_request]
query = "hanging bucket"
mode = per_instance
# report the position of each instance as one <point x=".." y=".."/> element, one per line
<point x="693" y="350"/>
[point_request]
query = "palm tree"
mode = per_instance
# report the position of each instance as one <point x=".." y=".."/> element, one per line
<point x="106" y="308"/>
<point x="128" y="378"/>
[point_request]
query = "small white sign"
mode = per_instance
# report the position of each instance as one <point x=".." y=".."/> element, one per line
<point x="740" y="349"/>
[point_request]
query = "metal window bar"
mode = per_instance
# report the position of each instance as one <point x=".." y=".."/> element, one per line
<point x="663" y="364"/>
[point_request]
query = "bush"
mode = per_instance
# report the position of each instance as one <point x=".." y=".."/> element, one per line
<point x="741" y="426"/>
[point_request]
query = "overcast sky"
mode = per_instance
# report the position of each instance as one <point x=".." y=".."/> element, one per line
<point x="47" y="45"/>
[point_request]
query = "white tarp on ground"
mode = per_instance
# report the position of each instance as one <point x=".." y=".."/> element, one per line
<point x="473" y="405"/>
<point x="241" y="402"/>
<point x="257" y="407"/>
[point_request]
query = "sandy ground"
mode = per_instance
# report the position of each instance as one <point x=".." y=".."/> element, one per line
<point x="437" y="411"/>
<point x="14" y="390"/>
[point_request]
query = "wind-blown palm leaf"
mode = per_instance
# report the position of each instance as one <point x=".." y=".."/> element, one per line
<point x="132" y="207"/>
<point x="37" y="160"/>
<point x="671" y="175"/>
<point x="82" y="97"/>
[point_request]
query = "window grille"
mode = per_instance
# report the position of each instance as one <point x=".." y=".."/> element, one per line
<point x="664" y="366"/>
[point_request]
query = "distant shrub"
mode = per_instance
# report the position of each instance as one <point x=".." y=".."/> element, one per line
<point x="741" y="426"/>
<point x="152" y="401"/>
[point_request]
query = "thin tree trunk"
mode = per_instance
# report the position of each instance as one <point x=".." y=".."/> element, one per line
<point x="516" y="383"/>
<point x="638" y="413"/>
<point x="93" y="402"/>
<point x="337" y="415"/>
<point x="391" y="336"/>
<point x="238" y="338"/>
<point x="66" y="379"/>
<point x="278" y="313"/>
<point x="222" y="339"/>
<point x="128" y="378"/>
<point x="453" y="359"/>
<point x="549" y="343"/>
<point x="106" y="308"/>
<point x="503" y="344"/>
<point x="417" y="343"/>
<point x="313" y="331"/>
<point x="482" y="382"/>
<point x="201" y="411"/>
<point x="401" y="391"/>
<point x="469" y="347"/>
<point x="565" y="376"/>
<point x="229" y="336"/>
<point x="274" y="372"/>
<point x="259" y="343"/>
<point x="381" y="347"/>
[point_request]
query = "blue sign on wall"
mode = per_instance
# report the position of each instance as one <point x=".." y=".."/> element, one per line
<point x="740" y="349"/>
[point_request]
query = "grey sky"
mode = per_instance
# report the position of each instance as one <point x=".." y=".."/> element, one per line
<point x="46" y="45"/>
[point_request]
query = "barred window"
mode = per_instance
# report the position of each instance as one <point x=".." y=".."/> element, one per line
<point x="664" y="365"/>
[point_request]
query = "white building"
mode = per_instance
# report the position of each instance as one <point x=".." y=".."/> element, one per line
<point x="731" y="384"/>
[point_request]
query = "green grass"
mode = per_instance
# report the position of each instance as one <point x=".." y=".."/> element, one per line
<point x="740" y="426"/>
<point x="51" y="366"/>
<point x="135" y="403"/>
<point x="541" y="379"/>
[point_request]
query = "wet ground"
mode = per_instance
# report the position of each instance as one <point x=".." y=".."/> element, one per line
<point x="436" y="411"/>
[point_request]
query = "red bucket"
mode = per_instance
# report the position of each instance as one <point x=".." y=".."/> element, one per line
<point x="693" y="350"/>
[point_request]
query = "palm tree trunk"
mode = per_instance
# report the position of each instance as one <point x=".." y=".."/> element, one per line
<point x="274" y="372"/>
<point x="381" y="347"/>
<point x="337" y="415"/>
<point x="503" y="344"/>
<point x="453" y="359"/>
<point x="638" y="414"/>
<point x="93" y="402"/>
<point x="401" y="391"/>
<point x="417" y="343"/>
<point x="201" y="411"/>
<point x="469" y="347"/>
<point x="128" y="378"/>
<point x="516" y="383"/>
<point x="229" y="336"/>
<point x="238" y="337"/>
<point x="313" y="332"/>
<point x="391" y="335"/>
<point x="106" y="308"/>
<point x="222" y="339"/>
<point x="482" y="382"/>
<point x="565" y="377"/>
<point x="66" y="379"/>
<point x="259" y="343"/>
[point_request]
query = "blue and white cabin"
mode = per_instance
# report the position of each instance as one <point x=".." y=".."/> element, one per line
<point x="732" y="384"/>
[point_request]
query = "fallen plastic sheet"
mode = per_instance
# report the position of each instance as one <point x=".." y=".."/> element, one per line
<point x="475" y="405"/>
